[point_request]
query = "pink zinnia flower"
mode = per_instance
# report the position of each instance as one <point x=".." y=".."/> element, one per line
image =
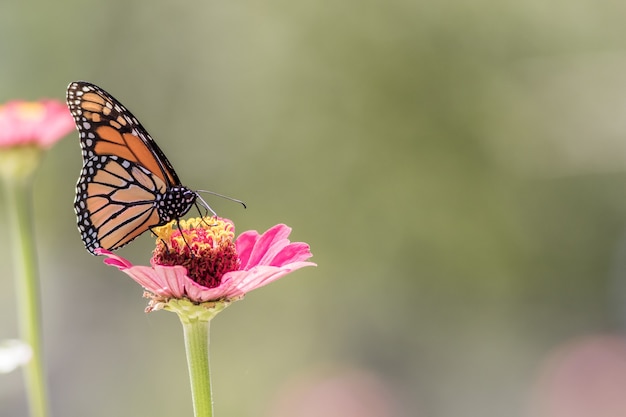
<point x="40" y="123"/>
<point x="201" y="262"/>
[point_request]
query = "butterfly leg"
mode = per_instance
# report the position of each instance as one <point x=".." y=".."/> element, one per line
<point x="164" y="242"/>
<point x="182" y="234"/>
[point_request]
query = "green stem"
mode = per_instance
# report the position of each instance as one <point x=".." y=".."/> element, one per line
<point x="197" y="348"/>
<point x="18" y="191"/>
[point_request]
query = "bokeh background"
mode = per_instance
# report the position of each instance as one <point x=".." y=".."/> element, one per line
<point x="458" y="168"/>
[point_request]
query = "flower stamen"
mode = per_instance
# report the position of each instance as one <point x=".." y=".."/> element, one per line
<point x="204" y="246"/>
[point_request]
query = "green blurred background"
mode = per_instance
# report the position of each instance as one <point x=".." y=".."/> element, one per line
<point x="458" y="168"/>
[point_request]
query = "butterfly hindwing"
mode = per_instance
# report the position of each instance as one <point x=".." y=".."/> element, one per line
<point x="115" y="201"/>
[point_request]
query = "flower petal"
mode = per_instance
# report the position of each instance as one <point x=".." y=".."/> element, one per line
<point x="199" y="293"/>
<point x="244" y="244"/>
<point x="160" y="280"/>
<point x="259" y="276"/>
<point x="112" y="259"/>
<point x="293" y="252"/>
<point x="265" y="247"/>
<point x="57" y="123"/>
<point x="172" y="280"/>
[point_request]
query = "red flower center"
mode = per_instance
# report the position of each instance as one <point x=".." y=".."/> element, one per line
<point x="204" y="246"/>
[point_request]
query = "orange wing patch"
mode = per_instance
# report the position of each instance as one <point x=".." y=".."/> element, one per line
<point x="92" y="102"/>
<point x="127" y="146"/>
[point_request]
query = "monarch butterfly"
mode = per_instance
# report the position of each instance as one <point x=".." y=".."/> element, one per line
<point x="126" y="185"/>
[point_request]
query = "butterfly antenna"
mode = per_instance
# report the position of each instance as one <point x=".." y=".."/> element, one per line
<point x="204" y="203"/>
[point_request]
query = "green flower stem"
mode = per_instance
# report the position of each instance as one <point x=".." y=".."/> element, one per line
<point x="197" y="348"/>
<point x="195" y="319"/>
<point x="18" y="192"/>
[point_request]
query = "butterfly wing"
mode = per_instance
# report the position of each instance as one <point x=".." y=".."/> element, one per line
<point x="124" y="172"/>
<point x="115" y="202"/>
<point x="106" y="127"/>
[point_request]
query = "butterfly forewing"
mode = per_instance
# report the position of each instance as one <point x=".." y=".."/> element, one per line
<point x="126" y="185"/>
<point x="106" y="127"/>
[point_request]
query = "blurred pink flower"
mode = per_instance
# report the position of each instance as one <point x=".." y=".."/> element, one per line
<point x="206" y="265"/>
<point x="41" y="123"/>
<point x="336" y="391"/>
<point x="583" y="378"/>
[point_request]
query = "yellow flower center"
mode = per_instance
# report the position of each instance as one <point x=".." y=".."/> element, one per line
<point x="31" y="111"/>
<point x="205" y="246"/>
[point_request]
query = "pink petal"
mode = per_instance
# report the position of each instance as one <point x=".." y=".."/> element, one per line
<point x="293" y="252"/>
<point x="172" y="280"/>
<point x="58" y="123"/>
<point x="113" y="259"/>
<point x="244" y="244"/>
<point x="160" y="280"/>
<point x="151" y="280"/>
<point x="267" y="246"/>
<point x="201" y="294"/>
<point x="260" y="276"/>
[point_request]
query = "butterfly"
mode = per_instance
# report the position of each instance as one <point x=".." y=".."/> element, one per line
<point x="126" y="186"/>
